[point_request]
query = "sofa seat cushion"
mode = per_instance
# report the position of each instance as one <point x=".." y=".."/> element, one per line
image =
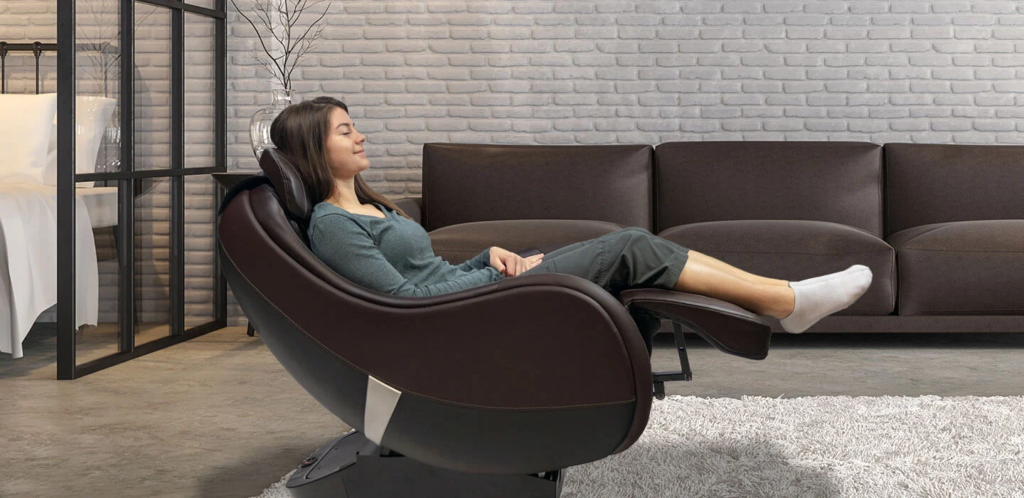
<point x="457" y="243"/>
<point x="961" y="268"/>
<point x="797" y="250"/>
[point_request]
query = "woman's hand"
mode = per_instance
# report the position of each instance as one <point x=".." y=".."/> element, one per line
<point x="512" y="264"/>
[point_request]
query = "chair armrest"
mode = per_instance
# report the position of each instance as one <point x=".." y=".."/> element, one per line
<point x="546" y="340"/>
<point x="728" y="327"/>
<point x="412" y="206"/>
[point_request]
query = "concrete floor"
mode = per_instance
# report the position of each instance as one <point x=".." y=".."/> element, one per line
<point x="219" y="416"/>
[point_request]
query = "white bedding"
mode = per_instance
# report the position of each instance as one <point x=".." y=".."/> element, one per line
<point x="28" y="256"/>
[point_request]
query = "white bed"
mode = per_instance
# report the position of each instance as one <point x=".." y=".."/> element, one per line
<point x="28" y="255"/>
<point x="28" y="212"/>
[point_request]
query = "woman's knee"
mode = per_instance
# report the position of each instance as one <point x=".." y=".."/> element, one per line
<point x="640" y="237"/>
<point x="634" y="236"/>
<point x="637" y="230"/>
<point x="643" y="235"/>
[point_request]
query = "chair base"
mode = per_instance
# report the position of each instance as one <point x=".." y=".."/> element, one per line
<point x="352" y="466"/>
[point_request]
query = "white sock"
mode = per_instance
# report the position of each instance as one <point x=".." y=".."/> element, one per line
<point x="819" y="297"/>
<point x="830" y="276"/>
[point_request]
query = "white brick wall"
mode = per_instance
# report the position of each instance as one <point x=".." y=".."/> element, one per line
<point x="543" y="72"/>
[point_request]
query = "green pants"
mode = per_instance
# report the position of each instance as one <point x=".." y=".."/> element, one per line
<point x="629" y="258"/>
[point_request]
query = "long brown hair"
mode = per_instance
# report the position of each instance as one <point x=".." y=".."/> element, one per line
<point x="299" y="132"/>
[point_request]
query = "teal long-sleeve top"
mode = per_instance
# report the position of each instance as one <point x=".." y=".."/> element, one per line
<point x="392" y="255"/>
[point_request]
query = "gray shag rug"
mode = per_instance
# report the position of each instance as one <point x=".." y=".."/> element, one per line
<point x="823" y="446"/>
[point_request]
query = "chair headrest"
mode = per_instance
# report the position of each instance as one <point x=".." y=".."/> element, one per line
<point x="288" y="184"/>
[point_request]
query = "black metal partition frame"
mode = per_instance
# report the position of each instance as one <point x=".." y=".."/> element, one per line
<point x="127" y="179"/>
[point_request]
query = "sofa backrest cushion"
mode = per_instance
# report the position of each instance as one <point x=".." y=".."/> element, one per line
<point x="487" y="182"/>
<point x="940" y="183"/>
<point x="840" y="182"/>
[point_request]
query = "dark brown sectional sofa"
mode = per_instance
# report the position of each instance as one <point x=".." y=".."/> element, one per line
<point x="940" y="225"/>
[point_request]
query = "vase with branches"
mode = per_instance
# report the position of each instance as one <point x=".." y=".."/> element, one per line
<point x="285" y="40"/>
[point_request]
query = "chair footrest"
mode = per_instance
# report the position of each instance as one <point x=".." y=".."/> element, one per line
<point x="728" y="327"/>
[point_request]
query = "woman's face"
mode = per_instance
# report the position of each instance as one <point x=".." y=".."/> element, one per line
<point x="344" y="146"/>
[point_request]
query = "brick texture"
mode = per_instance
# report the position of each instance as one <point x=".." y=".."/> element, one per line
<point x="542" y="72"/>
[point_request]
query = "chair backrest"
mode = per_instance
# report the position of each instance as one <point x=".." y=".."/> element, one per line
<point x="487" y="182"/>
<point x="939" y="183"/>
<point x="289" y="189"/>
<point x="839" y="182"/>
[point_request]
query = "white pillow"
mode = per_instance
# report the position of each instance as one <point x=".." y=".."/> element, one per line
<point x="92" y="115"/>
<point x="25" y="127"/>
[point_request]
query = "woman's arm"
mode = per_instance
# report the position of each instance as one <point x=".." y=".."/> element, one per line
<point x="360" y="261"/>
<point x="478" y="262"/>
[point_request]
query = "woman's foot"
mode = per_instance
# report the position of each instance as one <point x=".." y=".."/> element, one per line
<point x="784" y="306"/>
<point x="816" y="298"/>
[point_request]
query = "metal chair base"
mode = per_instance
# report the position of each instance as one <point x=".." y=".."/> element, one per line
<point x="352" y="466"/>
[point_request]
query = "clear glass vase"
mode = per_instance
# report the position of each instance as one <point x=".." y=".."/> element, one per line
<point x="259" y="125"/>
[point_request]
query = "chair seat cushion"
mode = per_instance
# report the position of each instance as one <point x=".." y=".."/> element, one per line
<point x="457" y="243"/>
<point x="961" y="268"/>
<point x="797" y="250"/>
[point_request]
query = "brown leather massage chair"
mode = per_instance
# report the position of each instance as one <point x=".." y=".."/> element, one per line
<point x="461" y="394"/>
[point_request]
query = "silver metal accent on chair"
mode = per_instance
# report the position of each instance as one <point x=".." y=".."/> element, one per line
<point x="381" y="400"/>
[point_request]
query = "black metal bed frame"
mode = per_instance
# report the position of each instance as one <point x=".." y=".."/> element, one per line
<point x="37" y="50"/>
<point x="127" y="179"/>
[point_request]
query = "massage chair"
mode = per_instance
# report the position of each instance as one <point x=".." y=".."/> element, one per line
<point x="489" y="391"/>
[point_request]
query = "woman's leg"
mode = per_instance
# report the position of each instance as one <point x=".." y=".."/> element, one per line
<point x="750" y="277"/>
<point x="711" y="277"/>
<point x="797" y="305"/>
<point x="636" y="258"/>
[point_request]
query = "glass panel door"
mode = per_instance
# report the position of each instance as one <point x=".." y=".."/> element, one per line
<point x="151" y="212"/>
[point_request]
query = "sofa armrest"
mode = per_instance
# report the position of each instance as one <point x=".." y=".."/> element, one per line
<point x="728" y="327"/>
<point x="412" y="206"/>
